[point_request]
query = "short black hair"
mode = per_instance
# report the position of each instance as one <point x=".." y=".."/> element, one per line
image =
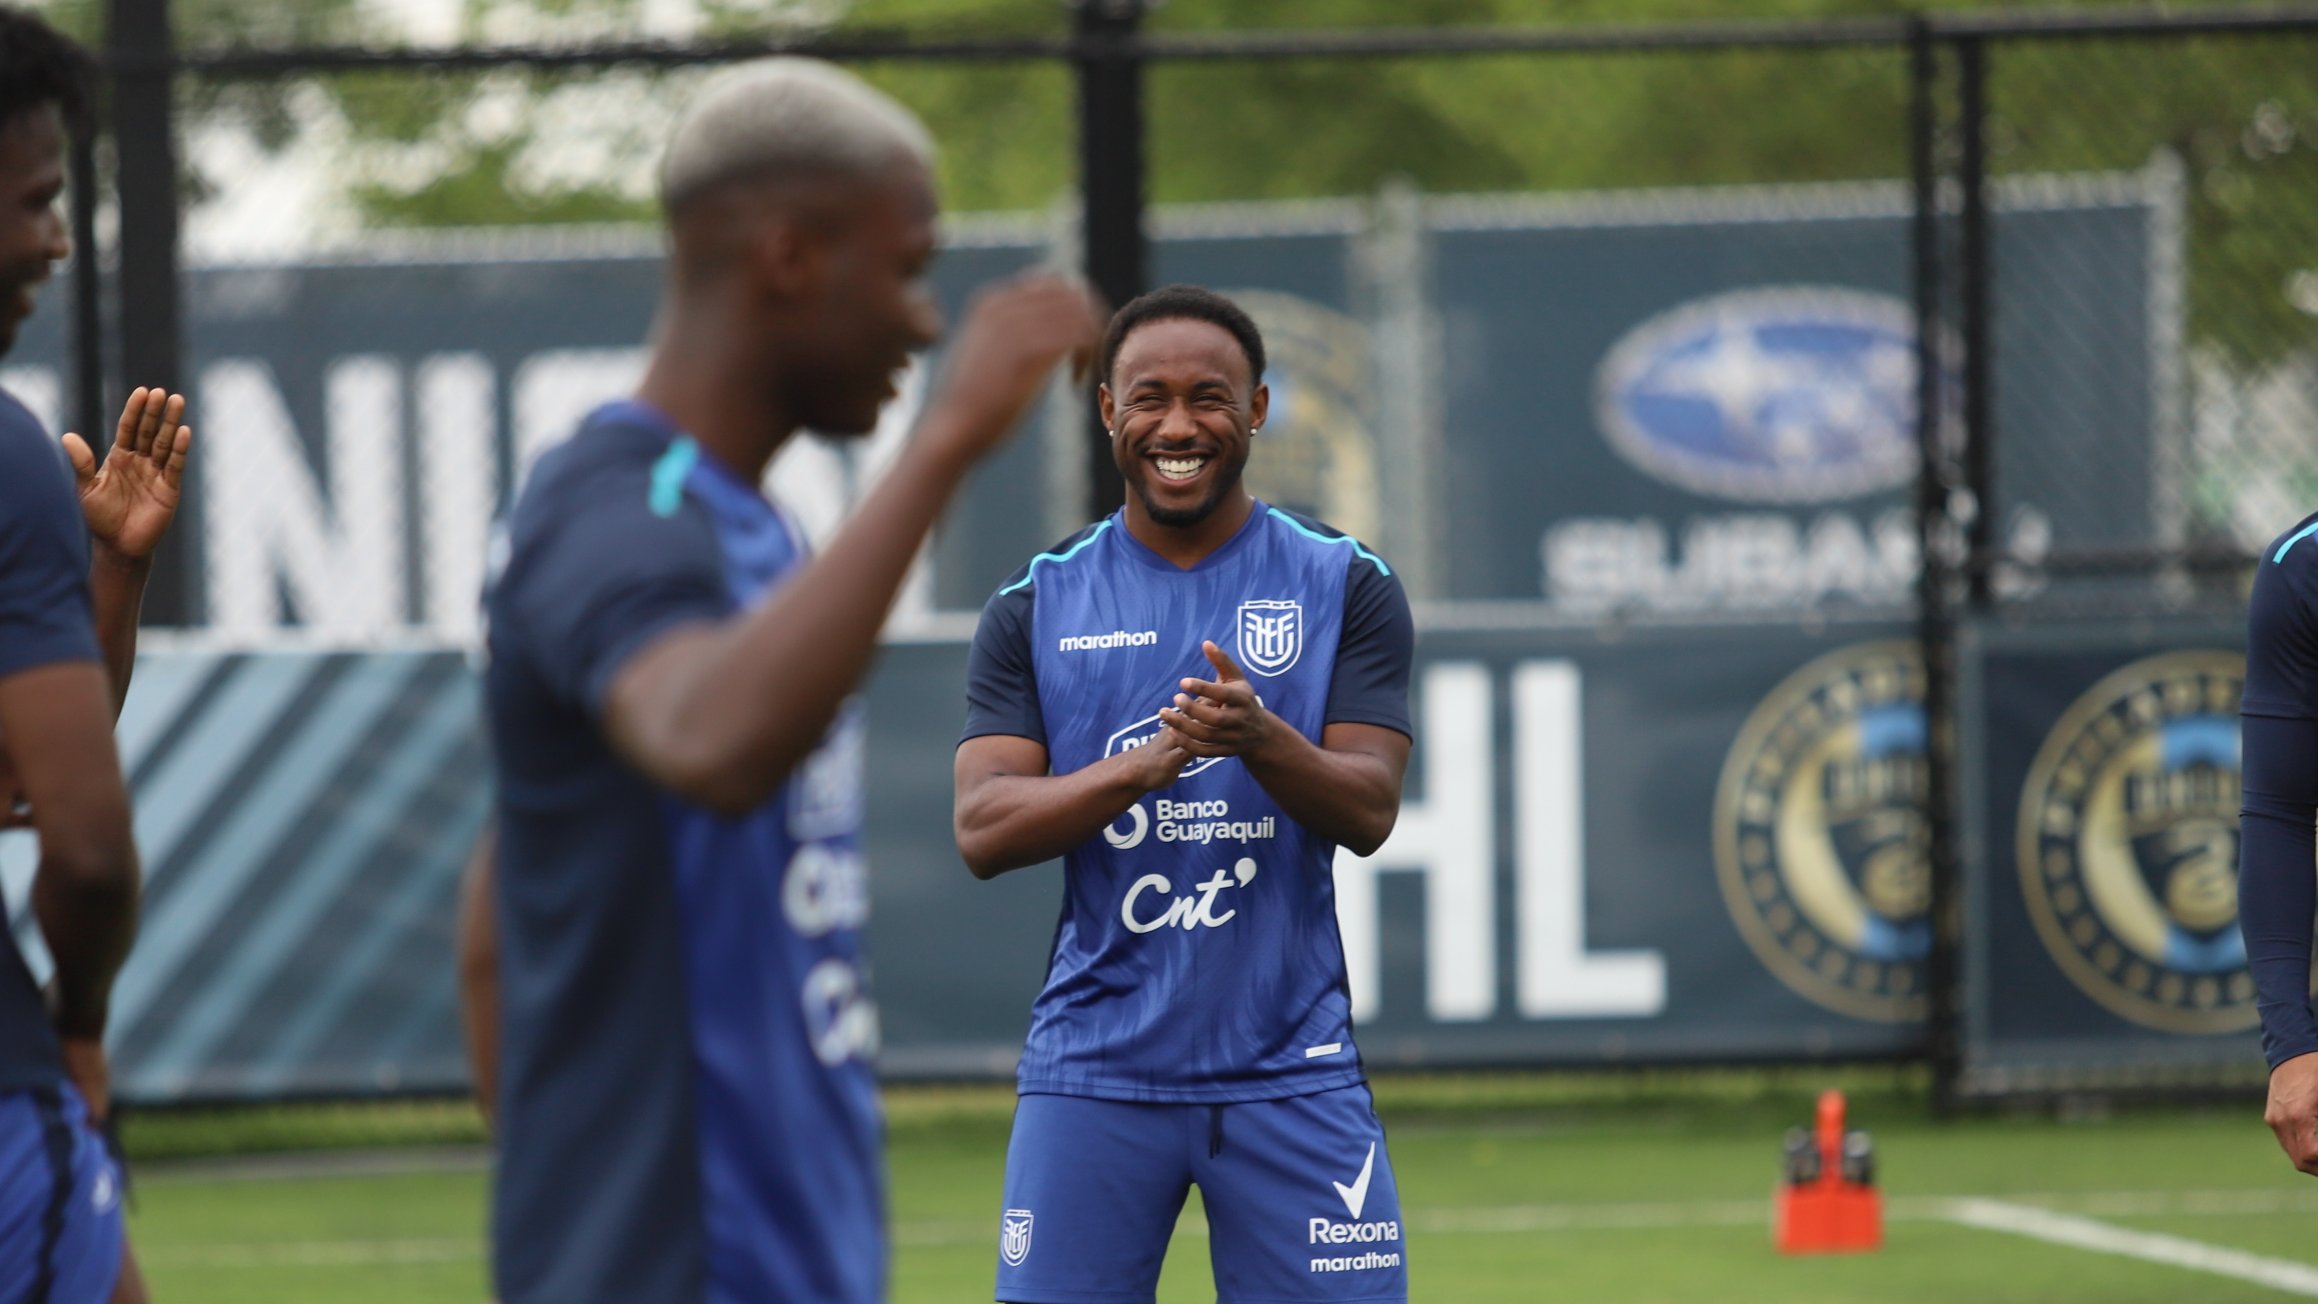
<point x="1185" y="303"/>
<point x="39" y="67"/>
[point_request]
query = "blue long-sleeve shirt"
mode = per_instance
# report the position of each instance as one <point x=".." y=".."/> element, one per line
<point x="2278" y="861"/>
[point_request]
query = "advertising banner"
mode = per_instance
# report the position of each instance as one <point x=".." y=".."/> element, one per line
<point x="1657" y="845"/>
<point x="1666" y="845"/>
<point x="1674" y="403"/>
<point x="1705" y="401"/>
<point x="2102" y="787"/>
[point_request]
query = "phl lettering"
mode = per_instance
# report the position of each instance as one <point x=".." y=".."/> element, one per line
<point x="1447" y="834"/>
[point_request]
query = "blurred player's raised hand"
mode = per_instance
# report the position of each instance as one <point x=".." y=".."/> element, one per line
<point x="1014" y="335"/>
<point x="130" y="500"/>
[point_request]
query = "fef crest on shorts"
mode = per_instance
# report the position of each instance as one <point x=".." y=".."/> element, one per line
<point x="1271" y="634"/>
<point x="1014" y="1237"/>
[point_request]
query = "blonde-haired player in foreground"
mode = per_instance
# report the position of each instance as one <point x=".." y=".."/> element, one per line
<point x="685" y="1104"/>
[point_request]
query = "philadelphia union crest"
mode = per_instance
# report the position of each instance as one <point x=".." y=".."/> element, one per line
<point x="1014" y="1237"/>
<point x="1820" y="842"/>
<point x="1271" y="635"/>
<point x="1318" y="453"/>
<point x="2128" y="844"/>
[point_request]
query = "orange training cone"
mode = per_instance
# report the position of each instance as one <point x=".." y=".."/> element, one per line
<point x="1826" y="1202"/>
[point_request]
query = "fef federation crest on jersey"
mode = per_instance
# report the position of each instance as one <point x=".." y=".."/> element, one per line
<point x="1014" y="1237"/>
<point x="1271" y="634"/>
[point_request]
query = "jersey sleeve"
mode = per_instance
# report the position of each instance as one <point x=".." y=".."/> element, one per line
<point x="1001" y="679"/>
<point x="2277" y="884"/>
<point x="2282" y="634"/>
<point x="2278" y="863"/>
<point x="1374" y="652"/>
<point x="44" y="553"/>
<point x="601" y="574"/>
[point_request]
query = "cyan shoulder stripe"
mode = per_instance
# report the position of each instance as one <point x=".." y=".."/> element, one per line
<point x="2299" y="535"/>
<point x="1056" y="557"/>
<point x="668" y="475"/>
<point x="1346" y="539"/>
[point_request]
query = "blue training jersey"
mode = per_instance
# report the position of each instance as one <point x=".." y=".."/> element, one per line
<point x="2278" y="870"/>
<point x="44" y="619"/>
<point x="1197" y="958"/>
<point x="687" y="1105"/>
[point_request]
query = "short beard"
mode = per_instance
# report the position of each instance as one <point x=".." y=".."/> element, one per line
<point x="1185" y="518"/>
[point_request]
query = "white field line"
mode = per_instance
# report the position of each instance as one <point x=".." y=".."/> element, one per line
<point x="1484" y="1220"/>
<point x="2155" y="1247"/>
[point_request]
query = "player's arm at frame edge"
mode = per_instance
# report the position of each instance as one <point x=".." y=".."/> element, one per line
<point x="58" y="719"/>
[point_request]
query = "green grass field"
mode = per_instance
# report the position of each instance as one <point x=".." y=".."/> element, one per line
<point x="1516" y="1189"/>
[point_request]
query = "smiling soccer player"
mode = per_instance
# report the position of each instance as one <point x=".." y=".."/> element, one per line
<point x="1194" y="702"/>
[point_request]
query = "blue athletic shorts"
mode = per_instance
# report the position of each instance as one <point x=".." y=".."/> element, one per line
<point x="60" y="1201"/>
<point x="1300" y="1199"/>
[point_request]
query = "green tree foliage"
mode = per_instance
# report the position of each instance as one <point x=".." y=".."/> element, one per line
<point x="510" y="147"/>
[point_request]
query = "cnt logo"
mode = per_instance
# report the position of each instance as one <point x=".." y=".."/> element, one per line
<point x="1328" y="1231"/>
<point x="1187" y="912"/>
<point x="1014" y="1237"/>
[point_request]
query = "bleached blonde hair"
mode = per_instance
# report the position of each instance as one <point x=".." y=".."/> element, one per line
<point x="778" y="118"/>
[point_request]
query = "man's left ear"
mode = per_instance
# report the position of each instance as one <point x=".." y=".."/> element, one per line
<point x="1259" y="408"/>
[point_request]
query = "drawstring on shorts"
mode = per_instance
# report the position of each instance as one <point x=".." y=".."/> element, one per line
<point x="1214" y="1131"/>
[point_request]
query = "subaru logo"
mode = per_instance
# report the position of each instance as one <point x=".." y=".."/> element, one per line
<point x="1786" y="394"/>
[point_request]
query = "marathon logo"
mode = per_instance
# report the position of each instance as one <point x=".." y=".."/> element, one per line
<point x="1356" y="1262"/>
<point x="1209" y="821"/>
<point x="1325" y="1232"/>
<point x="1105" y="642"/>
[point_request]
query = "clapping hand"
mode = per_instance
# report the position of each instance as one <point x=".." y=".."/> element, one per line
<point x="1222" y="716"/>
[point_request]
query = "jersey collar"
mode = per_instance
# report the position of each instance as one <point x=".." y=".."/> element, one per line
<point x="1142" y="552"/>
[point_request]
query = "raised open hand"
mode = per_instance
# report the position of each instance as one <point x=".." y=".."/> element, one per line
<point x="130" y="500"/>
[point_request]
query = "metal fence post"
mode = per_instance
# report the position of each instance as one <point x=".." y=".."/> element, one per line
<point x="88" y="332"/>
<point x="1935" y="628"/>
<point x="140" y="50"/>
<point x="1108" y="64"/>
<point x="1975" y="273"/>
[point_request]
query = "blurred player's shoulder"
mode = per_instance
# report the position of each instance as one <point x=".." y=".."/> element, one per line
<point x="30" y="461"/>
<point x="615" y="455"/>
<point x="19" y="429"/>
<point x="2296" y="549"/>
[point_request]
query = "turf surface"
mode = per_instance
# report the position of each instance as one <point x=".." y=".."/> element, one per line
<point x="1627" y="1190"/>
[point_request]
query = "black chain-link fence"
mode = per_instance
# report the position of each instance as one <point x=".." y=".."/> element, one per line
<point x="1898" y="327"/>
